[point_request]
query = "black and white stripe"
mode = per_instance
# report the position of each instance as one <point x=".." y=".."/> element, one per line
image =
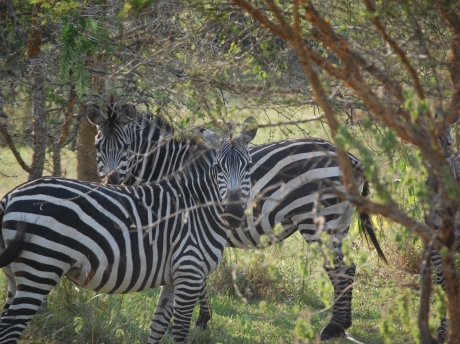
<point x="121" y="239"/>
<point x="290" y="181"/>
<point x="454" y="162"/>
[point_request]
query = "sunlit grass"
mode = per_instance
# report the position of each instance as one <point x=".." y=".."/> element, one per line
<point x="12" y="175"/>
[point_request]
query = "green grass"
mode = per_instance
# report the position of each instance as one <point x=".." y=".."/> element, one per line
<point x="74" y="315"/>
<point x="12" y="175"/>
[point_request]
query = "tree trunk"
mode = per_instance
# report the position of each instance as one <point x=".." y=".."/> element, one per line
<point x="38" y="99"/>
<point x="86" y="156"/>
<point x="86" y="153"/>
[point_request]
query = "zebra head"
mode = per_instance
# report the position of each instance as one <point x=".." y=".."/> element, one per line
<point x="231" y="169"/>
<point x="112" y="141"/>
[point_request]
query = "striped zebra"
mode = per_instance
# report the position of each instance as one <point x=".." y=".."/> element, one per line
<point x="454" y="161"/>
<point x="122" y="239"/>
<point x="290" y="181"/>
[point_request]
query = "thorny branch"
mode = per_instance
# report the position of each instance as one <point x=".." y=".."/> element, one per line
<point x="410" y="129"/>
<point x="402" y="55"/>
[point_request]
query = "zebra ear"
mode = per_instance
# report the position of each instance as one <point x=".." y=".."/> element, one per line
<point x="94" y="115"/>
<point x="128" y="114"/>
<point x="210" y="137"/>
<point x="249" y="129"/>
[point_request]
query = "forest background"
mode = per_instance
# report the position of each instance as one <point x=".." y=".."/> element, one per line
<point x="379" y="79"/>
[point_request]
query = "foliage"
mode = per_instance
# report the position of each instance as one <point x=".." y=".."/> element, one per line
<point x="212" y="62"/>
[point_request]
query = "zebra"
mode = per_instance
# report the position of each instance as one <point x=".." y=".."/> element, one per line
<point x="454" y="162"/>
<point x="121" y="239"/>
<point x="288" y="178"/>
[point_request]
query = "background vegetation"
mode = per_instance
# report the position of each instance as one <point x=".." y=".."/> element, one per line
<point x="382" y="78"/>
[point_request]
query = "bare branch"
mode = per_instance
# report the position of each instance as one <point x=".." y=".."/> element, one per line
<point x="378" y="24"/>
<point x="9" y="142"/>
<point x="261" y="18"/>
<point x="453" y="20"/>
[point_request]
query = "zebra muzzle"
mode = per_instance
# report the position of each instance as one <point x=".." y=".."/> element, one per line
<point x="112" y="178"/>
<point x="234" y="210"/>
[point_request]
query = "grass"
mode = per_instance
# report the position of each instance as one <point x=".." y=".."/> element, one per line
<point x="290" y="303"/>
<point x="11" y="175"/>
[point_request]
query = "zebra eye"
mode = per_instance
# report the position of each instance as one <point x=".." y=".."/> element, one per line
<point x="218" y="168"/>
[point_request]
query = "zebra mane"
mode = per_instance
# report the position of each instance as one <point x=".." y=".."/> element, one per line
<point x="113" y="109"/>
<point x="197" y="150"/>
<point x="190" y="135"/>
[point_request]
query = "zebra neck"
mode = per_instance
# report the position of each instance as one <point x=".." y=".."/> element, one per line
<point x="159" y="155"/>
<point x="194" y="193"/>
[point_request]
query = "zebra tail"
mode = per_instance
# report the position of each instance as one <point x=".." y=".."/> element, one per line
<point x="15" y="247"/>
<point x="366" y="226"/>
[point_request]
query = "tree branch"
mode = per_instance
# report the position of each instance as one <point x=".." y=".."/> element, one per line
<point x="378" y="24"/>
<point x="453" y="21"/>
<point x="325" y="34"/>
<point x="12" y="147"/>
<point x="261" y="18"/>
<point x="14" y="20"/>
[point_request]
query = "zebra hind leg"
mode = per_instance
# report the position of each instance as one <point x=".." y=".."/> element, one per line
<point x="24" y="306"/>
<point x="437" y="263"/>
<point x="442" y="330"/>
<point x="342" y="278"/>
<point x="205" y="309"/>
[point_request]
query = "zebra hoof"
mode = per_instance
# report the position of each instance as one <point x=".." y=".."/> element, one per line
<point x="201" y="323"/>
<point x="332" y="331"/>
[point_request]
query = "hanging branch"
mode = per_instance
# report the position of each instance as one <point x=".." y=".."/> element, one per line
<point x="394" y="116"/>
<point x="9" y="142"/>
<point x="453" y="21"/>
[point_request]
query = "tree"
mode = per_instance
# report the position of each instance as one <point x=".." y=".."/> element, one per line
<point x="388" y="70"/>
<point x="411" y="104"/>
<point x="46" y="65"/>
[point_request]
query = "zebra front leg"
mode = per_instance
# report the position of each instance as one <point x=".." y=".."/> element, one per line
<point x="205" y="309"/>
<point x="342" y="278"/>
<point x="162" y="315"/>
<point x="186" y="292"/>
